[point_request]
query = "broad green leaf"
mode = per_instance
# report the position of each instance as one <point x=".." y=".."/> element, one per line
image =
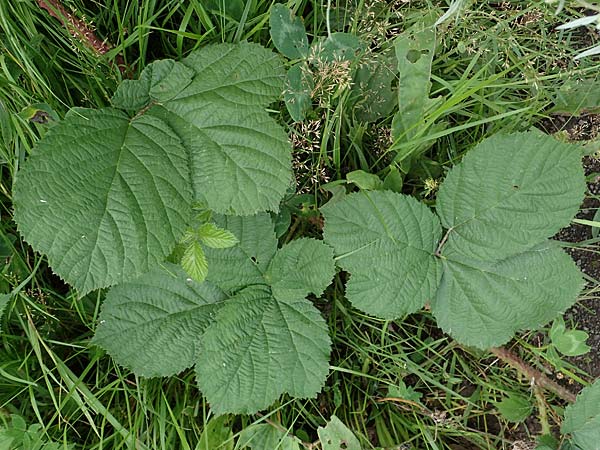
<point x="510" y="193"/>
<point x="373" y="88"/>
<point x="576" y="97"/>
<point x="304" y="266"/>
<point x="515" y="407"/>
<point x="264" y="436"/>
<point x="258" y="348"/>
<point x="94" y="197"/>
<point x="298" y="91"/>
<point x="194" y="262"/>
<point x="364" y="180"/>
<point x="386" y="241"/>
<point x="233" y="9"/>
<point x="4" y="300"/>
<point x="215" y="237"/>
<point x="153" y="324"/>
<point x="336" y="47"/>
<point x="244" y="264"/>
<point x="336" y="436"/>
<point x="216" y="435"/>
<point x="483" y="303"/>
<point x="107" y="196"/>
<point x="582" y="419"/>
<point x="287" y="32"/>
<point x="393" y="180"/>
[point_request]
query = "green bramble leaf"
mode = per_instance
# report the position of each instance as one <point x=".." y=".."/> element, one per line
<point x="582" y="419"/>
<point x="107" y="196"/>
<point x="194" y="262"/>
<point x="494" y="272"/>
<point x="214" y="237"/>
<point x="515" y="407"/>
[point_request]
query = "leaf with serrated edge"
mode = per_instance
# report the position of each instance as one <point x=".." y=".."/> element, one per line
<point x="94" y="196"/>
<point x="215" y="237"/>
<point x="483" y="304"/>
<point x="304" y="266"/>
<point x="582" y="418"/>
<point x="194" y="262"/>
<point x="152" y="324"/>
<point x="386" y="241"/>
<point x="244" y="264"/>
<point x="509" y="193"/>
<point x="258" y="348"/>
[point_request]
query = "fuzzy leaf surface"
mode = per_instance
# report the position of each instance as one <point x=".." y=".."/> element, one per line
<point x="152" y="324"/>
<point x="258" y="348"/>
<point x="582" y="419"/>
<point x="95" y="198"/>
<point x="386" y="241"/>
<point x="510" y="193"/>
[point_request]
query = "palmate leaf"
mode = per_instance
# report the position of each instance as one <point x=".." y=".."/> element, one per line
<point x="107" y="196"/>
<point x="494" y="272"/>
<point x="152" y="324"/>
<point x="249" y="329"/>
<point x="386" y="241"/>
<point x="582" y="419"/>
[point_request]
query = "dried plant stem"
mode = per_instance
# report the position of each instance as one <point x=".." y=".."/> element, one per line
<point x="79" y="29"/>
<point x="535" y="376"/>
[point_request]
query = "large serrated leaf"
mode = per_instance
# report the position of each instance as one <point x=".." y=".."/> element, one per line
<point x="582" y="419"/>
<point x="386" y="241"/>
<point x="258" y="348"/>
<point x="509" y="193"/>
<point x="94" y="196"/>
<point x="152" y="324"/>
<point x="107" y="196"/>
<point x="483" y="303"/>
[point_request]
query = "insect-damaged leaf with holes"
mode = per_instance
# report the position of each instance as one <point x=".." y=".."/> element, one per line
<point x="582" y="419"/>
<point x="107" y="196"/>
<point x="250" y="330"/>
<point x="494" y="272"/>
<point x="335" y="436"/>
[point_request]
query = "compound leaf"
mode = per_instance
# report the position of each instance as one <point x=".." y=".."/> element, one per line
<point x="287" y="32"/>
<point x="482" y="303"/>
<point x="387" y="242"/>
<point x="215" y="237"/>
<point x="510" y="193"/>
<point x="304" y="266"/>
<point x="258" y="348"/>
<point x="153" y="324"/>
<point x="582" y="419"/>
<point x="94" y="196"/>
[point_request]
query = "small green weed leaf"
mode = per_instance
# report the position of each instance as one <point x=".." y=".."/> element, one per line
<point x="515" y="408"/>
<point x="152" y="324"/>
<point x="364" y="180"/>
<point x="547" y="442"/>
<point x="233" y="9"/>
<point x="337" y="436"/>
<point x="264" y="436"/>
<point x="298" y="91"/>
<point x="194" y="262"/>
<point x="304" y="266"/>
<point x="258" y="348"/>
<point x="568" y="342"/>
<point x="373" y="87"/>
<point x="288" y="32"/>
<point x="576" y="97"/>
<point x="393" y="180"/>
<point x="92" y="196"/>
<point x="386" y="241"/>
<point x="19" y="436"/>
<point x="509" y="193"/>
<point x="582" y="419"/>
<point x="482" y="303"/>
<point x="216" y="435"/>
<point x="401" y="390"/>
<point x="4" y="300"/>
<point x="337" y="47"/>
<point x="244" y="264"/>
<point x="214" y="237"/>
